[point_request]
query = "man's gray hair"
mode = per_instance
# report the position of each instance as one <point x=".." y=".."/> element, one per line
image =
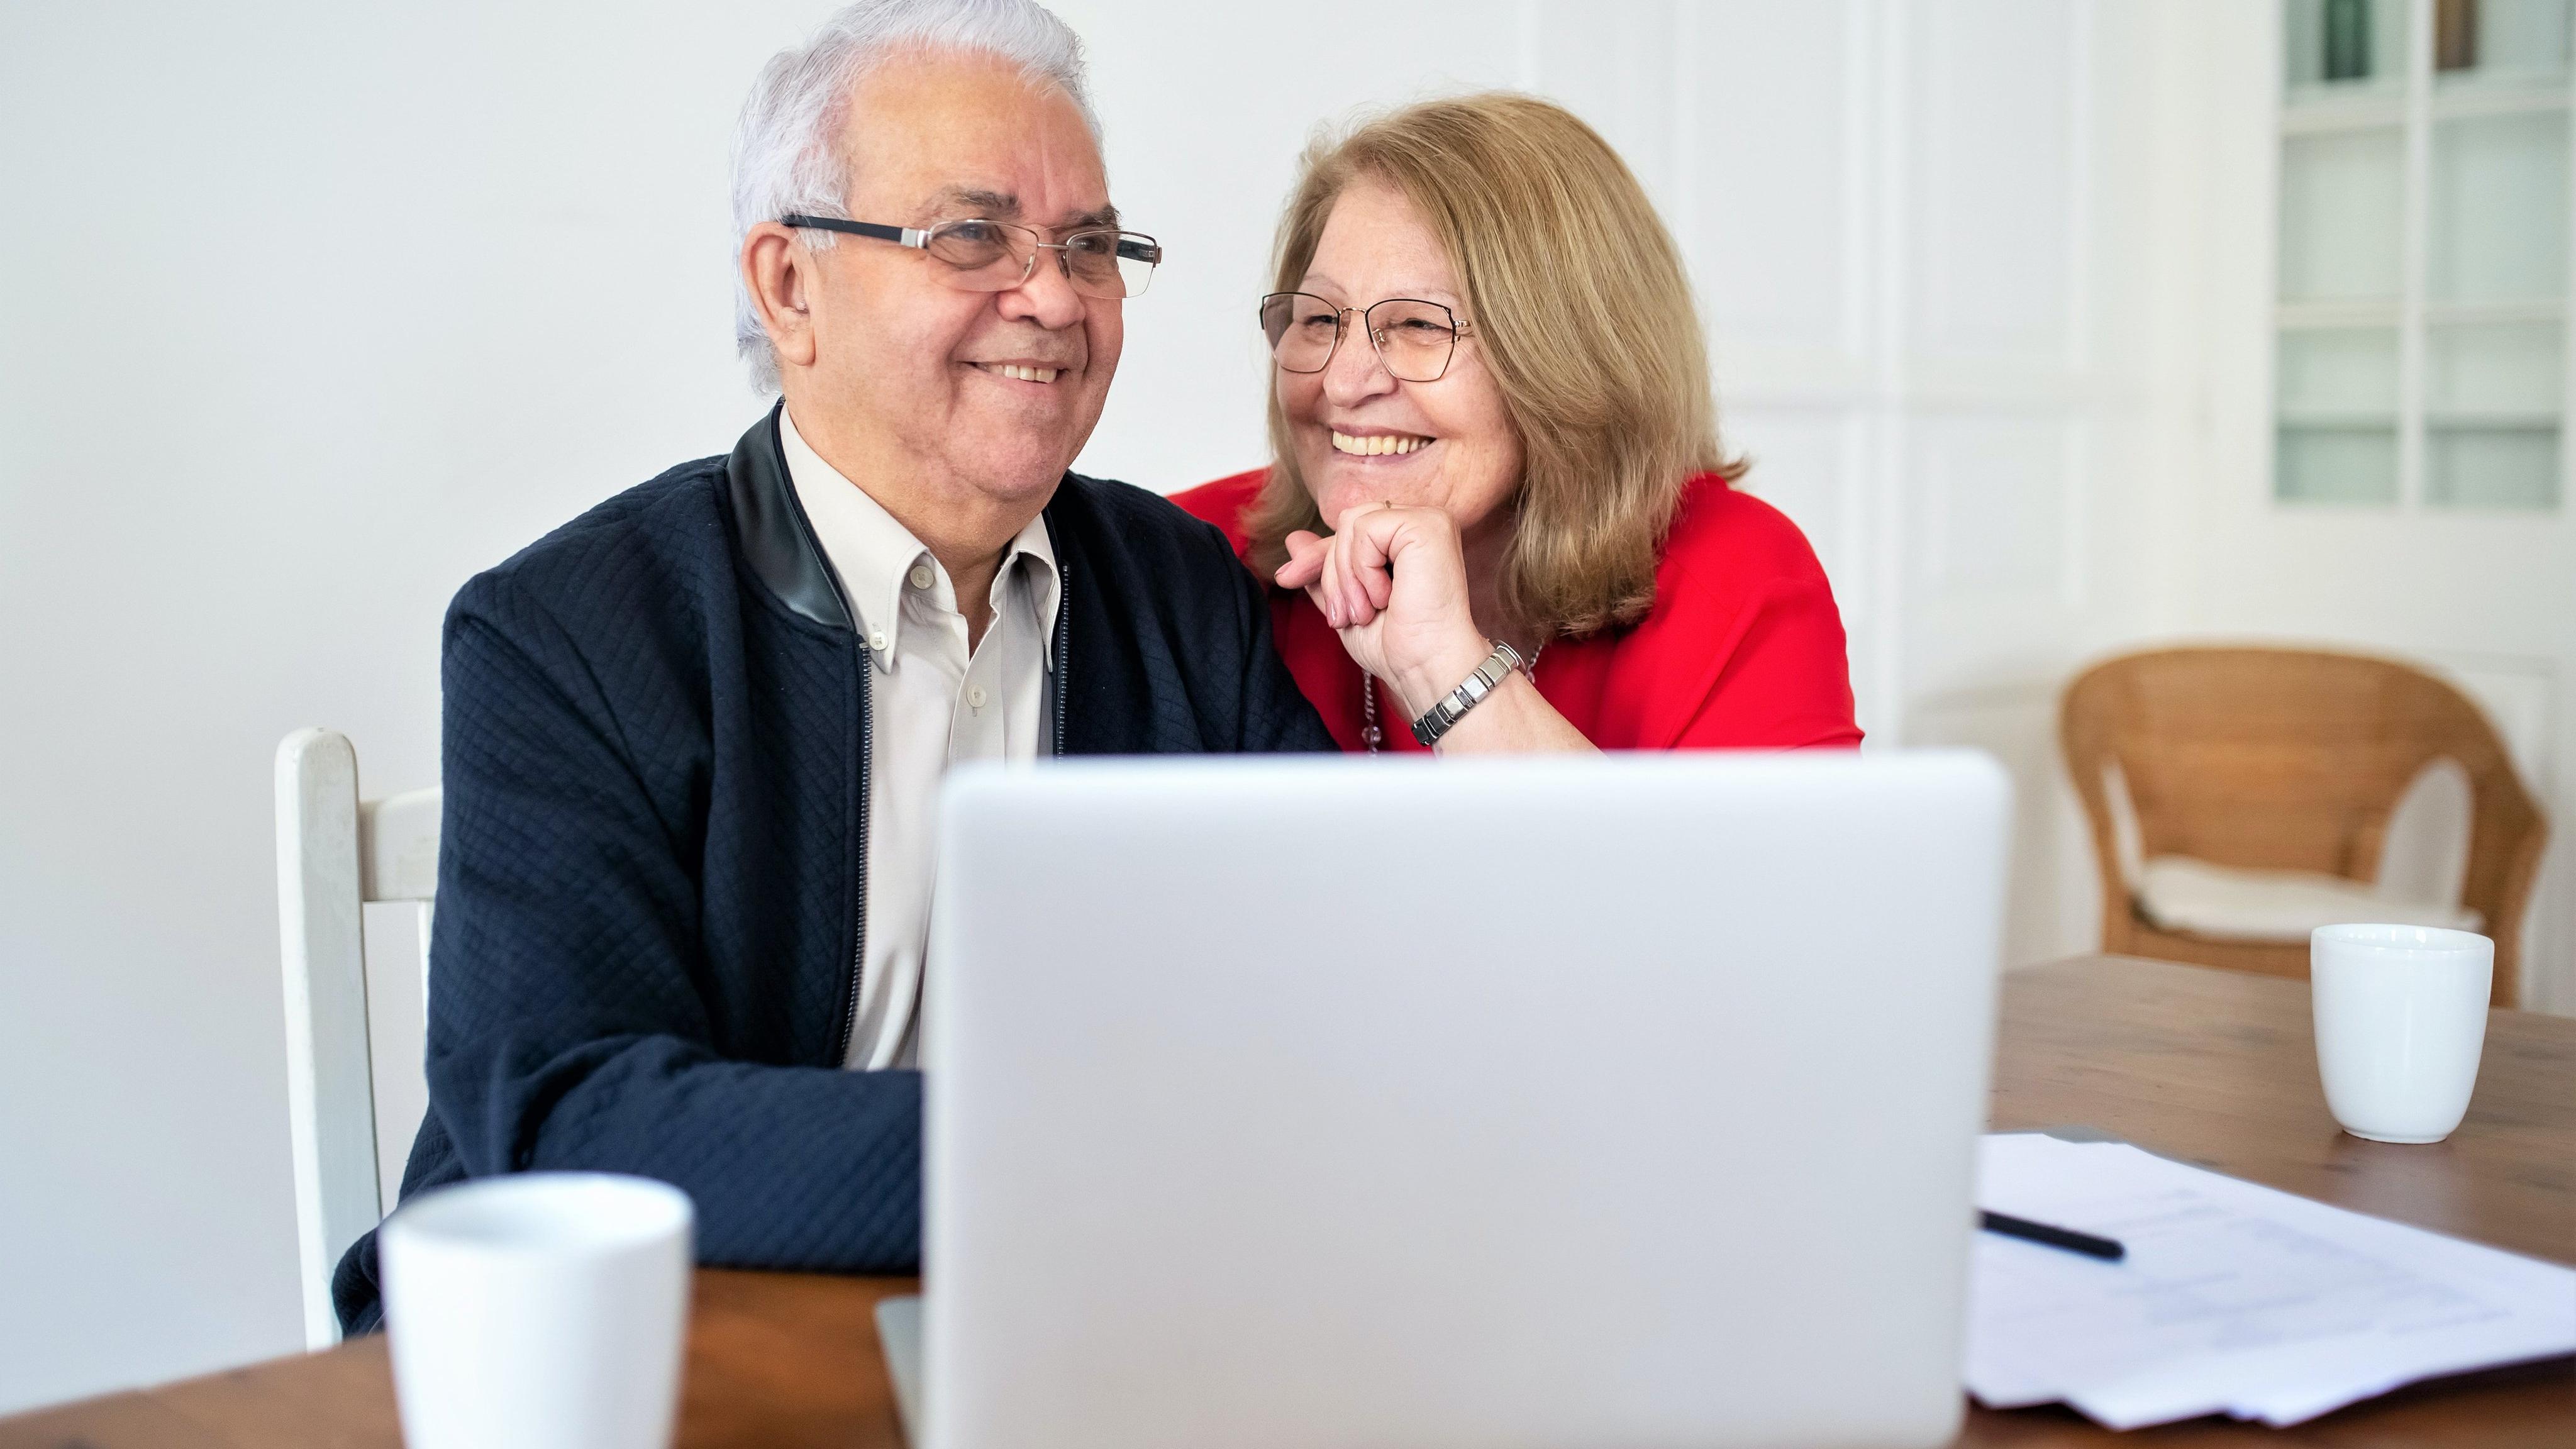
<point x="786" y="153"/>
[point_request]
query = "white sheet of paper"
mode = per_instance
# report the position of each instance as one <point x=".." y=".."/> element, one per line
<point x="2233" y="1298"/>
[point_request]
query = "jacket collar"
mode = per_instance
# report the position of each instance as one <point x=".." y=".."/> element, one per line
<point x="777" y="539"/>
<point x="780" y="546"/>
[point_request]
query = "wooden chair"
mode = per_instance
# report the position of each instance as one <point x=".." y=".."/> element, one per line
<point x="2286" y="759"/>
<point x="335" y="854"/>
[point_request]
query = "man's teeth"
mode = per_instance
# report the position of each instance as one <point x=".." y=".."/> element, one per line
<point x="1377" y="443"/>
<point x="1026" y="374"/>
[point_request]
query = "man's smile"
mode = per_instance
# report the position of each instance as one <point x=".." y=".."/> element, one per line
<point x="1033" y="372"/>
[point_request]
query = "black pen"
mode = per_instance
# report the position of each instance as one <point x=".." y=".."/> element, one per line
<point x="2067" y="1238"/>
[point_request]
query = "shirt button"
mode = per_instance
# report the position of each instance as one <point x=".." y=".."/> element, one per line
<point x="921" y="576"/>
<point x="877" y="641"/>
<point x="975" y="697"/>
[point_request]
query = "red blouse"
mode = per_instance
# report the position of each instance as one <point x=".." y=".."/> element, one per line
<point x="1743" y="648"/>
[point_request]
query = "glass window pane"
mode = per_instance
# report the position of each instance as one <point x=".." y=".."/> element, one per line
<point x="2338" y="370"/>
<point x="2491" y="467"/>
<point x="2340" y="196"/>
<point x="2491" y="368"/>
<point x="2336" y="465"/>
<point x="2499" y="42"/>
<point x="2499" y="207"/>
<point x="2336" y="47"/>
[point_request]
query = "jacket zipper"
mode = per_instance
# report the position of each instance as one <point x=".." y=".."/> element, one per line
<point x="1063" y="649"/>
<point x="859" y="912"/>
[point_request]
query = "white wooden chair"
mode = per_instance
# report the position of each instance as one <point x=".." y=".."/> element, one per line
<point x="334" y="855"/>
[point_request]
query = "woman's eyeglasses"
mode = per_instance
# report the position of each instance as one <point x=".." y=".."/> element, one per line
<point x="1413" y="338"/>
<point x="995" y="256"/>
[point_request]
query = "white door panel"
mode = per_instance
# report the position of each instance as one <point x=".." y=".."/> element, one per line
<point x="2485" y="596"/>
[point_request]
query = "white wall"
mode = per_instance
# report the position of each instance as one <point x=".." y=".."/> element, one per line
<point x="307" y="311"/>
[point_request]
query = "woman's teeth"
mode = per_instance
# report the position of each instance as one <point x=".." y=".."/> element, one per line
<point x="1377" y="443"/>
<point x="1026" y="374"/>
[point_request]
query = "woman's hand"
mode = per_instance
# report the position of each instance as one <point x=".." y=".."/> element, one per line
<point x="1393" y="582"/>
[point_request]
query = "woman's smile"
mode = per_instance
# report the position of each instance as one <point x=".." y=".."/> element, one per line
<point x="1378" y="445"/>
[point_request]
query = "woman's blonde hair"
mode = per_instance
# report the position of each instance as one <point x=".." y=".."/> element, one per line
<point x="1578" y="299"/>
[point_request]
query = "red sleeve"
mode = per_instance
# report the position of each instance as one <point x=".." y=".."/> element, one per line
<point x="1784" y="681"/>
<point x="1224" y="503"/>
<point x="1745" y="647"/>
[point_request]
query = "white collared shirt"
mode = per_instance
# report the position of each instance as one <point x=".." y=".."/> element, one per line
<point x="934" y="702"/>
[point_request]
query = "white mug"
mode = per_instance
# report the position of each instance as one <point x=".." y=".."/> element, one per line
<point x="2401" y="1017"/>
<point x="541" y="1310"/>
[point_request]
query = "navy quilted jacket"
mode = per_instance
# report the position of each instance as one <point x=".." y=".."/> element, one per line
<point x="649" y="875"/>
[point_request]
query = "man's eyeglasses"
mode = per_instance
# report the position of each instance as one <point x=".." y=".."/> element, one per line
<point x="1413" y="338"/>
<point x="995" y="256"/>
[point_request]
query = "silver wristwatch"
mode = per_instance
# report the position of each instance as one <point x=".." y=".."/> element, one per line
<point x="1452" y="707"/>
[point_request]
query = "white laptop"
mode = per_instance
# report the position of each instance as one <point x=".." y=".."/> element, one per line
<point x="1626" y="1101"/>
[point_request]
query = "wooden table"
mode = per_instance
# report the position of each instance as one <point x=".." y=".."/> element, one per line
<point x="2208" y="1066"/>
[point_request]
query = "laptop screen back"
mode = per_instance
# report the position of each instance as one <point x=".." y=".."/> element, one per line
<point x="1614" y="1101"/>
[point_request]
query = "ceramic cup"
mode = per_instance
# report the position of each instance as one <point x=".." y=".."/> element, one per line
<point x="541" y="1310"/>
<point x="2401" y="1015"/>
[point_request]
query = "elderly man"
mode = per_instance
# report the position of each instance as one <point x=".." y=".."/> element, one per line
<point x="693" y="739"/>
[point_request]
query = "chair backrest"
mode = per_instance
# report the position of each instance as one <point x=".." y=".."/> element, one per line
<point x="335" y="855"/>
<point x="2293" y="759"/>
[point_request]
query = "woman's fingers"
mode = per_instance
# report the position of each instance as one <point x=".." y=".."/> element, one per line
<point x="1336" y="584"/>
<point x="1328" y="584"/>
<point x="1337" y="574"/>
<point x="1305" y="564"/>
<point x="1372" y="562"/>
<point x="1350" y="573"/>
<point x="1350" y="577"/>
<point x="1357" y="604"/>
<point x="1350" y="596"/>
<point x="1362" y="558"/>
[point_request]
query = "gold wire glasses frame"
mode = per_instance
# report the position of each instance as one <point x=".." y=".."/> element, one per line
<point x="995" y="256"/>
<point x="1414" y="338"/>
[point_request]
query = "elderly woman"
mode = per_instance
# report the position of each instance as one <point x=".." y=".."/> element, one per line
<point x="1490" y="387"/>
